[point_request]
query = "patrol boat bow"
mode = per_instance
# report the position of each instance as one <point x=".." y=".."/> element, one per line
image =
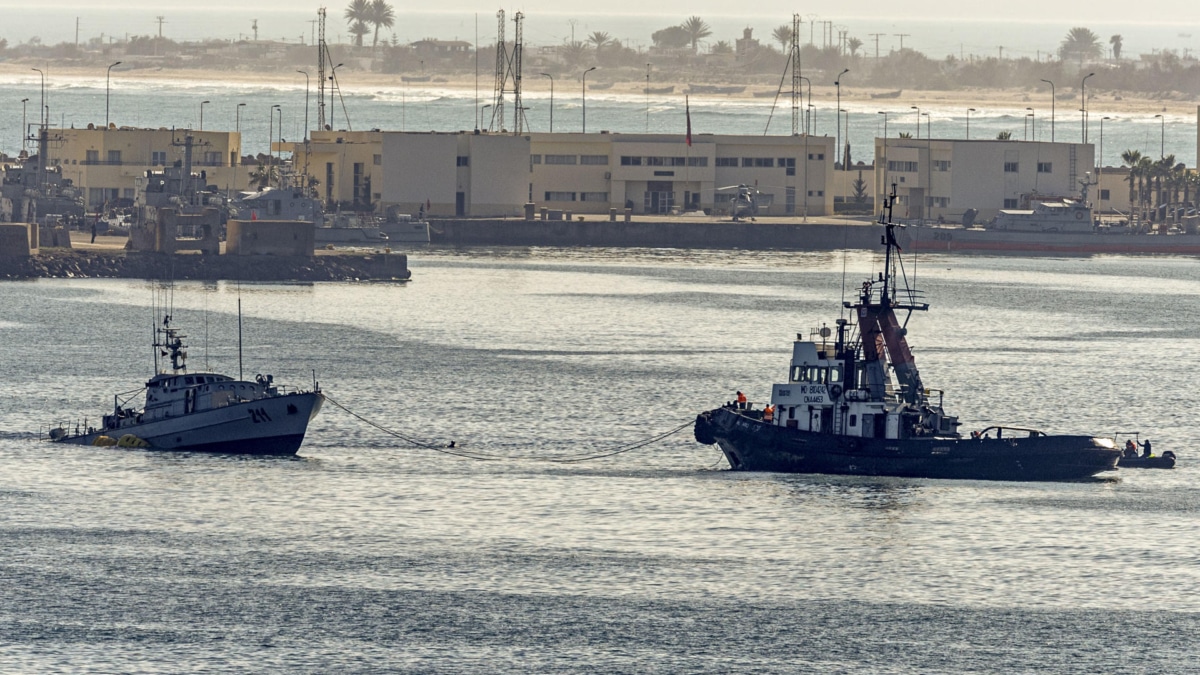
<point x="858" y="406"/>
<point x="205" y="412"/>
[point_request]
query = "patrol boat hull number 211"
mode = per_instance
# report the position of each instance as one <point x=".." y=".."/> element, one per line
<point x="858" y="406"/>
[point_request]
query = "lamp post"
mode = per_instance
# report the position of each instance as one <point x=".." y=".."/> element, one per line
<point x="43" y="108"/>
<point x="237" y="118"/>
<point x="1025" y="127"/>
<point x="107" y="89"/>
<point x="24" y="130"/>
<point x="483" y="110"/>
<point x="913" y="107"/>
<point x="1162" y="136"/>
<point x="928" y="131"/>
<point x="305" y="74"/>
<point x="552" y="100"/>
<point x="1083" y="104"/>
<point x="270" y="141"/>
<point x="812" y="116"/>
<point x="844" y="151"/>
<point x="969" y="111"/>
<point x="585" y="97"/>
<point x="838" y="83"/>
<point x="1032" y="124"/>
<point x="645" y="91"/>
<point x="1051" y="108"/>
<point x="1100" y="163"/>
<point x="807" y="128"/>
<point x="885" y="140"/>
<point x="202" y="104"/>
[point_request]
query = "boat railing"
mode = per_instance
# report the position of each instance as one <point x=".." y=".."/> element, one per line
<point x="1007" y="432"/>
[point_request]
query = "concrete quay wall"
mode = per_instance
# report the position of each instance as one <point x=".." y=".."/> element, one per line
<point x="66" y="263"/>
<point x="759" y="235"/>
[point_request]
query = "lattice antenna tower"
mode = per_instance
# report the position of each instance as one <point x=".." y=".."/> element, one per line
<point x="797" y="83"/>
<point x="322" y="56"/>
<point x="515" y="68"/>
<point x="501" y="73"/>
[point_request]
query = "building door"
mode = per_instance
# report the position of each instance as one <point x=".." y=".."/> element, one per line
<point x="660" y="196"/>
<point x="460" y="203"/>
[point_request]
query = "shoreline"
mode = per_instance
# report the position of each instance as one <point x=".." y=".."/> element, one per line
<point x="1099" y="100"/>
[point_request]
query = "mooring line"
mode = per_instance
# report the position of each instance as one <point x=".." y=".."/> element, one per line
<point x="486" y="457"/>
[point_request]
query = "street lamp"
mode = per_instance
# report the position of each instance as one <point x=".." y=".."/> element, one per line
<point x="585" y="97"/>
<point x="1083" y="106"/>
<point x="270" y="140"/>
<point x="838" y="83"/>
<point x="202" y="104"/>
<point x="1100" y="164"/>
<point x="1051" y="108"/>
<point x="107" y="88"/>
<point x="807" y="128"/>
<point x="237" y="118"/>
<point x="913" y="107"/>
<point x="885" y="140"/>
<point x="928" y="132"/>
<point x="844" y="151"/>
<point x="1026" y="127"/>
<point x="552" y="100"/>
<point x="969" y="111"/>
<point x="645" y="91"/>
<point x="1032" y="124"/>
<point x="1162" y="136"/>
<point x="482" y="110"/>
<point x="43" y="108"/>
<point x="305" y="74"/>
<point x="24" y="130"/>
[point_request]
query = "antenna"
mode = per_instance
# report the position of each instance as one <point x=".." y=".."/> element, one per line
<point x="239" y="290"/>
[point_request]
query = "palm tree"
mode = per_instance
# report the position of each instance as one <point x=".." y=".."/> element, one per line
<point x="783" y="35"/>
<point x="1116" y="42"/>
<point x="357" y="14"/>
<point x="1004" y="136"/>
<point x="697" y="30"/>
<point x="722" y="47"/>
<point x="382" y="16"/>
<point x="1131" y="158"/>
<point x="905" y="134"/>
<point x="1081" y="43"/>
<point x="1145" y="171"/>
<point x="853" y="44"/>
<point x="599" y="39"/>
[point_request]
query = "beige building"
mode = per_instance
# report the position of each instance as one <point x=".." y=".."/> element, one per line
<point x="480" y="174"/>
<point x="942" y="178"/>
<point x="106" y="162"/>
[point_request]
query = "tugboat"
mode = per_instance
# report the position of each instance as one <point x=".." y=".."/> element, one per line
<point x="858" y="406"/>
<point x="204" y="412"/>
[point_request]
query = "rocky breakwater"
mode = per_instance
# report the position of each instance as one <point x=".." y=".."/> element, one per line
<point x="63" y="264"/>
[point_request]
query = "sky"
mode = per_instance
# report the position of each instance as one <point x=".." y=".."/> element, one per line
<point x="1093" y="11"/>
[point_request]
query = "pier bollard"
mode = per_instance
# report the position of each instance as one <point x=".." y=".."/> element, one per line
<point x="612" y="215"/>
<point x="628" y="215"/>
<point x="529" y="209"/>
<point x="544" y="210"/>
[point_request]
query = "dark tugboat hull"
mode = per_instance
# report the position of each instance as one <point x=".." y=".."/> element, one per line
<point x="752" y="445"/>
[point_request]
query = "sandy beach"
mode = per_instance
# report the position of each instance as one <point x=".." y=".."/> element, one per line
<point x="1100" y="100"/>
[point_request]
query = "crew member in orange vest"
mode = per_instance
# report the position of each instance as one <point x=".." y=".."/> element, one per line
<point x="769" y="413"/>
<point x="741" y="400"/>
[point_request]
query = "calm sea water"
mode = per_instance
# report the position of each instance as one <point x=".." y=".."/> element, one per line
<point x="365" y="554"/>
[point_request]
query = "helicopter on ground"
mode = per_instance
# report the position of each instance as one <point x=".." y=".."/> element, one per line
<point x="746" y="202"/>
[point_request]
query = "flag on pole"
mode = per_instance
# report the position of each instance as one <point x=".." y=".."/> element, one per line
<point x="688" y="108"/>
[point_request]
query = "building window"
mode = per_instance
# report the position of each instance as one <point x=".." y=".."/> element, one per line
<point x="789" y="165"/>
<point x="561" y="159"/>
<point x="697" y="161"/>
<point x="158" y="158"/>
<point x="819" y="156"/>
<point x="1045" y="167"/>
<point x="727" y="161"/>
<point x="1012" y="167"/>
<point x="593" y="196"/>
<point x="941" y="165"/>
<point x="377" y="159"/>
<point x="92" y="157"/>
<point x="816" y="193"/>
<point x="1010" y="203"/>
<point x="1104" y="195"/>
<point x="127" y="193"/>
<point x="939" y="202"/>
<point x="560" y="196"/>
<point x="114" y="156"/>
<point x="903" y="166"/>
<point x="594" y="160"/>
<point x="759" y="162"/>
<point x="631" y="161"/>
<point x="462" y="160"/>
<point x="212" y="158"/>
<point x="535" y="159"/>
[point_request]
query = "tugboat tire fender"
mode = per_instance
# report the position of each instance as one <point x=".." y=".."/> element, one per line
<point x="835" y="391"/>
<point x="703" y="430"/>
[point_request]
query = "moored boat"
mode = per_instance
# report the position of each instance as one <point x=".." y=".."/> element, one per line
<point x="857" y="405"/>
